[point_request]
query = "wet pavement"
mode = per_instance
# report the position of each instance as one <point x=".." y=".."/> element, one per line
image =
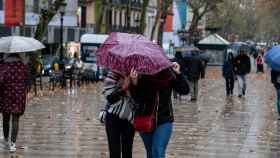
<point x="63" y="124"/>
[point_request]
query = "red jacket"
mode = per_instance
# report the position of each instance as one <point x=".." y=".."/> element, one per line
<point x="13" y="76"/>
<point x="259" y="60"/>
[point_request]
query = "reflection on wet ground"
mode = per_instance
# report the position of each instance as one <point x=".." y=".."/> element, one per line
<point x="63" y="124"/>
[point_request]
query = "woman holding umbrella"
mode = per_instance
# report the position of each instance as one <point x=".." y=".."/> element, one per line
<point x="149" y="90"/>
<point x="118" y="115"/>
<point x="152" y="78"/>
<point x="13" y="82"/>
<point x="13" y="77"/>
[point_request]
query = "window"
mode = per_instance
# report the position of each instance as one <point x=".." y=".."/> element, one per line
<point x="1" y="4"/>
<point x="36" y="7"/>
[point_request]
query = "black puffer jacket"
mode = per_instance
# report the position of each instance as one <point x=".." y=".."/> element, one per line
<point x="242" y="64"/>
<point x="195" y="68"/>
<point x="145" y="95"/>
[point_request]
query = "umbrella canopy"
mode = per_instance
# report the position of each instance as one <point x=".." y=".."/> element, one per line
<point x="191" y="52"/>
<point x="18" y="44"/>
<point x="116" y="38"/>
<point x="122" y="52"/>
<point x="188" y="49"/>
<point x="272" y="58"/>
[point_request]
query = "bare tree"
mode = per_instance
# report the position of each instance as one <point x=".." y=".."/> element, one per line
<point x="156" y="19"/>
<point x="102" y="8"/>
<point x="200" y="8"/>
<point x="45" y="16"/>
<point x="143" y="16"/>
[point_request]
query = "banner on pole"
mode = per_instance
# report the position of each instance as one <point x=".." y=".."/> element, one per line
<point x="14" y="12"/>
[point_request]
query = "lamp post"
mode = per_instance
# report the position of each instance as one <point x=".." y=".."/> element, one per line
<point x="62" y="12"/>
<point x="183" y="34"/>
<point x="137" y="24"/>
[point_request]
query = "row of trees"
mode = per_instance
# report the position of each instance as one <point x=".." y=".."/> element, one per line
<point x="102" y="7"/>
<point x="249" y="19"/>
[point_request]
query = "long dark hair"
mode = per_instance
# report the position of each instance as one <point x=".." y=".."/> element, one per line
<point x="162" y="79"/>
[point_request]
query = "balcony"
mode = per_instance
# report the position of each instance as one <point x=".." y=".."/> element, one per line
<point x="52" y="34"/>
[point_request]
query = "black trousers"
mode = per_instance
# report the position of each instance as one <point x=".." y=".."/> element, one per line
<point x="259" y="68"/>
<point x="120" y="135"/>
<point x="6" y="126"/>
<point x="229" y="85"/>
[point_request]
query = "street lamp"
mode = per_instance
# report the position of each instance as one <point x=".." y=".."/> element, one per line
<point x="183" y="34"/>
<point x="137" y="24"/>
<point x="62" y="12"/>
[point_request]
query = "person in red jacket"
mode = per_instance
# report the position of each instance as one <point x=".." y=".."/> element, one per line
<point x="13" y="76"/>
<point x="259" y="61"/>
<point x="152" y="94"/>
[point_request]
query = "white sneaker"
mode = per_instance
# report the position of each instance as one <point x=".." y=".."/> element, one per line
<point x="13" y="147"/>
<point x="6" y="144"/>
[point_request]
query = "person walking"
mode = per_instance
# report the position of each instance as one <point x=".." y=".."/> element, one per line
<point x="242" y="67"/>
<point x="13" y="82"/>
<point x="118" y="116"/>
<point x="228" y="74"/>
<point x="275" y="79"/>
<point x="259" y="61"/>
<point x="153" y="92"/>
<point x="78" y="69"/>
<point x="195" y="71"/>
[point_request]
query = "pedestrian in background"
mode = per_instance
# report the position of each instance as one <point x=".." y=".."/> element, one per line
<point x="275" y="79"/>
<point x="13" y="83"/>
<point x="242" y="67"/>
<point x="78" y="68"/>
<point x="228" y="74"/>
<point x="195" y="71"/>
<point x="259" y="61"/>
<point x="118" y="116"/>
<point x="153" y="92"/>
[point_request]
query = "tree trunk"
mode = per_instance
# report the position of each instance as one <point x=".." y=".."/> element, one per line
<point x="156" y="20"/>
<point x="193" y="27"/>
<point x="143" y="16"/>
<point x="128" y="16"/>
<point x="100" y="10"/>
<point x="165" y="11"/>
<point x="45" y="17"/>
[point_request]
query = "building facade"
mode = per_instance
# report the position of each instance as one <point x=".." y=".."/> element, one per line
<point x="80" y="18"/>
<point x="71" y="30"/>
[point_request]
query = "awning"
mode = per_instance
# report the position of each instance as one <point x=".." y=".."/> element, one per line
<point x="213" y="39"/>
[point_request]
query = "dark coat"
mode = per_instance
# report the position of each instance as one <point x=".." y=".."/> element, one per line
<point x="242" y="65"/>
<point x="275" y="78"/>
<point x="145" y="94"/>
<point x="13" y="85"/>
<point x="195" y="68"/>
<point x="228" y="69"/>
<point x="1" y="87"/>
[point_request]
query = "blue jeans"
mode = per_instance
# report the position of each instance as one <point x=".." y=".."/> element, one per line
<point x="278" y="100"/>
<point x="157" y="141"/>
<point x="241" y="84"/>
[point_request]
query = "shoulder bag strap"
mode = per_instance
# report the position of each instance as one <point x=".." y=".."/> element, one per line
<point x="155" y="110"/>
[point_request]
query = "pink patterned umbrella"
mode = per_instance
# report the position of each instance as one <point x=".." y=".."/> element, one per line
<point x="122" y="52"/>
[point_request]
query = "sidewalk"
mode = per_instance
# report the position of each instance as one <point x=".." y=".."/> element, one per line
<point x="64" y="124"/>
